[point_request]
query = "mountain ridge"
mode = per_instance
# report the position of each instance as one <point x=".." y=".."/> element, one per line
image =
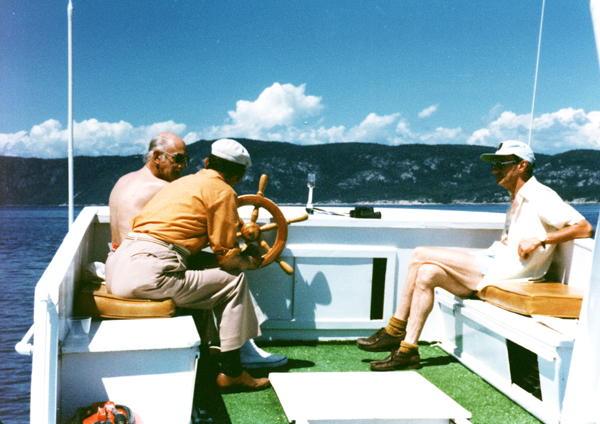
<point x="346" y="173"/>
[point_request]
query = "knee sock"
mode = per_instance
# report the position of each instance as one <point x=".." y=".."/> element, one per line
<point x="231" y="364"/>
<point x="396" y="327"/>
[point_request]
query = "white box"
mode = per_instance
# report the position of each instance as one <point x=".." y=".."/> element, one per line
<point x="364" y="398"/>
<point x="148" y="365"/>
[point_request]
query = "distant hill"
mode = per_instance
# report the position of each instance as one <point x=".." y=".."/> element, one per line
<point x="348" y="173"/>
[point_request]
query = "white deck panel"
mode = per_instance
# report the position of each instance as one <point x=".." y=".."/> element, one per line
<point x="138" y="334"/>
<point x="364" y="398"/>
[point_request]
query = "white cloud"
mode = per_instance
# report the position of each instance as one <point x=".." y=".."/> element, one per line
<point x="191" y="137"/>
<point x="493" y="114"/>
<point x="47" y="140"/>
<point x="427" y="112"/>
<point x="480" y="137"/>
<point x="279" y="105"/>
<point x="556" y="132"/>
<point x="404" y="134"/>
<point x="280" y="113"/>
<point x="374" y="128"/>
<point x="443" y="136"/>
<point x="90" y="138"/>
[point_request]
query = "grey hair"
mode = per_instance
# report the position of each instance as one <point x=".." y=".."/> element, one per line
<point x="157" y="143"/>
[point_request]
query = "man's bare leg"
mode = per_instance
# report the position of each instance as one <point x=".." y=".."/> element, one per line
<point x="462" y="270"/>
<point x="461" y="266"/>
<point x="454" y="271"/>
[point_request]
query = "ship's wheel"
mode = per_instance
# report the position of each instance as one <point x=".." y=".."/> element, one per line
<point x="251" y="231"/>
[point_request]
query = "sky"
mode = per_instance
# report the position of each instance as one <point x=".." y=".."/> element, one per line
<point x="307" y="72"/>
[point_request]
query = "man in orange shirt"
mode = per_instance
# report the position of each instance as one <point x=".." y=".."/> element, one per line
<point x="183" y="218"/>
<point x="165" y="160"/>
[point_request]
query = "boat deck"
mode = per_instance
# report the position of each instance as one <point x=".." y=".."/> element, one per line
<point x="335" y="294"/>
<point x="466" y="388"/>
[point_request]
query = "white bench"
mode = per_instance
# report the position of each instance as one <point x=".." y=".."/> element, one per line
<point x="523" y="358"/>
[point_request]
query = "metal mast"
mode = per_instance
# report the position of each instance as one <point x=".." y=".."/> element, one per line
<point x="70" y="144"/>
<point x="537" y="67"/>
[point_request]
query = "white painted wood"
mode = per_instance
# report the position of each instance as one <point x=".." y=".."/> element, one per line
<point x="52" y="305"/>
<point x="148" y="365"/>
<point x="364" y="397"/>
<point x="476" y="333"/>
<point x="582" y="395"/>
<point x="328" y="297"/>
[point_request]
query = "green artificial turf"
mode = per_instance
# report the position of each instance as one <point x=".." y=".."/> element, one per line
<point x="485" y="403"/>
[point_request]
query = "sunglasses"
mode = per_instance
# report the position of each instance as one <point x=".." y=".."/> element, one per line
<point x="502" y="165"/>
<point x="179" y="158"/>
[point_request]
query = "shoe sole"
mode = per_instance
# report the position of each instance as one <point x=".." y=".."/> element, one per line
<point x="409" y="367"/>
<point x="241" y="389"/>
<point x="379" y="349"/>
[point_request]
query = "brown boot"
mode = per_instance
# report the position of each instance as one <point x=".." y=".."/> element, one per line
<point x="244" y="383"/>
<point x="380" y="342"/>
<point x="405" y="358"/>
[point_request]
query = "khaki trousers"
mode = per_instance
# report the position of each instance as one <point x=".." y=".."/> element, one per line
<point x="146" y="269"/>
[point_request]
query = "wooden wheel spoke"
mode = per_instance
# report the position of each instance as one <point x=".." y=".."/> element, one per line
<point x="262" y="184"/>
<point x="285" y="266"/>
<point x="264" y="245"/>
<point x="268" y="227"/>
<point x="273" y="225"/>
<point x="255" y="212"/>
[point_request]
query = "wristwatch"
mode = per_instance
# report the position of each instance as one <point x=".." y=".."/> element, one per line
<point x="543" y="241"/>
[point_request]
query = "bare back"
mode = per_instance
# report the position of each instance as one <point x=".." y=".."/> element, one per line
<point x="128" y="197"/>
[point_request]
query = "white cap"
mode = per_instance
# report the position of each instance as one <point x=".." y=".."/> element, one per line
<point x="232" y="151"/>
<point x="509" y="148"/>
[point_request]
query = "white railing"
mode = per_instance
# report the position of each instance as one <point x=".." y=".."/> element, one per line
<point x="52" y="305"/>
<point x="24" y="347"/>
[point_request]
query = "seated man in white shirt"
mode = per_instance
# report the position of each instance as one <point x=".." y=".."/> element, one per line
<point x="536" y="222"/>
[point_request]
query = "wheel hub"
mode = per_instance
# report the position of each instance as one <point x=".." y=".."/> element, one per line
<point x="250" y="231"/>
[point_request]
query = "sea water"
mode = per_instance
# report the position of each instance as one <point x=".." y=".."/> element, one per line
<point x="29" y="237"/>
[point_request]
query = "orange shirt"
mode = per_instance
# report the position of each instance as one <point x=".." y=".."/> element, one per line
<point x="194" y="211"/>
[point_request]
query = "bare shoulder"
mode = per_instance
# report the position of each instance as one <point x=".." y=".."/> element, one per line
<point x="140" y="183"/>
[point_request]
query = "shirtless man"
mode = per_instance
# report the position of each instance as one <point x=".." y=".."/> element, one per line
<point x="166" y="159"/>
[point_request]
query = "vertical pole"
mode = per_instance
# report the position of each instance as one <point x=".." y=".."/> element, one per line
<point x="70" y="130"/>
<point x="311" y="185"/>
<point x="537" y="66"/>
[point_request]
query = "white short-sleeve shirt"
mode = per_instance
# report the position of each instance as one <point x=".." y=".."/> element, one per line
<point x="539" y="210"/>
